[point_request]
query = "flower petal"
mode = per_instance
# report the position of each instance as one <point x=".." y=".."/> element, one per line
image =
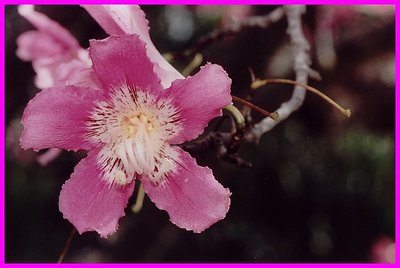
<point x="192" y="197"/>
<point x="54" y="52"/>
<point x="86" y="77"/>
<point x="47" y="26"/>
<point x="55" y="118"/>
<point x="199" y="99"/>
<point x="130" y="19"/>
<point x="122" y="60"/>
<point x="59" y="70"/>
<point x="34" y="45"/>
<point x="45" y="158"/>
<point x="89" y="203"/>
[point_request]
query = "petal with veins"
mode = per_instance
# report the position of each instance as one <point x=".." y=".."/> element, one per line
<point x="55" y="118"/>
<point x="190" y="194"/>
<point x="130" y="19"/>
<point x="91" y="204"/>
<point x="199" y="99"/>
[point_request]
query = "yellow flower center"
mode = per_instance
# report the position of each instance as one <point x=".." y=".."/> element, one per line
<point x="131" y="124"/>
<point x="133" y="128"/>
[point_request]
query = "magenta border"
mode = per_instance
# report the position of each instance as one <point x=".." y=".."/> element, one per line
<point x="2" y="146"/>
<point x="209" y="2"/>
<point x="312" y="2"/>
<point x="397" y="135"/>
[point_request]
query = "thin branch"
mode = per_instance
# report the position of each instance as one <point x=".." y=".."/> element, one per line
<point x="67" y="244"/>
<point x="273" y="115"/>
<point x="301" y="58"/>
<point x="259" y="83"/>
<point x="226" y="144"/>
<point x="236" y="26"/>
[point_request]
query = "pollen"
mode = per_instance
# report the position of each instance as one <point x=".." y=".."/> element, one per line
<point x="120" y="177"/>
<point x="132" y="124"/>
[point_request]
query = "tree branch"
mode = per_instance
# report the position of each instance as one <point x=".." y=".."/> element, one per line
<point x="236" y="26"/>
<point x="226" y="144"/>
<point x="301" y="59"/>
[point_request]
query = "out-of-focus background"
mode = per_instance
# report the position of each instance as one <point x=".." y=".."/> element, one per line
<point x="321" y="188"/>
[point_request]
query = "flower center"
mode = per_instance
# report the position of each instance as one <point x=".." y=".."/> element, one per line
<point x="133" y="128"/>
<point x="131" y="124"/>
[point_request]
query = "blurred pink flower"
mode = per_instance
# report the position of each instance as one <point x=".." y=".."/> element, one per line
<point x="25" y="157"/>
<point x="383" y="250"/>
<point x="226" y="13"/>
<point x="129" y="125"/>
<point x="13" y="132"/>
<point x="55" y="54"/>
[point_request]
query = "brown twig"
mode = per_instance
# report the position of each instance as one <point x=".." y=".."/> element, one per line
<point x="254" y="107"/>
<point x="235" y="27"/>
<point x="67" y="244"/>
<point x="301" y="60"/>
<point x="226" y="144"/>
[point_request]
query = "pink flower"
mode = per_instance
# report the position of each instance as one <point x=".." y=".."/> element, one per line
<point x="129" y="125"/>
<point x="58" y="59"/>
<point x="54" y="52"/>
<point x="383" y="250"/>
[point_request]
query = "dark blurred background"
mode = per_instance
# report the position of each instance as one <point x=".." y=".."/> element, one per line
<point x="321" y="188"/>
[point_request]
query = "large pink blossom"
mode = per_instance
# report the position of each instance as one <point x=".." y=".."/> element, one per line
<point x="58" y="59"/>
<point x="130" y="125"/>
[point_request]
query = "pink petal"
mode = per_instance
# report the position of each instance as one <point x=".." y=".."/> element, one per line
<point x="121" y="60"/>
<point x="192" y="197"/>
<point x="34" y="45"/>
<point x="130" y="19"/>
<point x="54" y="52"/>
<point x="89" y="203"/>
<point x="199" y="99"/>
<point x="47" y="26"/>
<point x="55" y="118"/>
<point x="59" y="70"/>
<point x="45" y="158"/>
<point x="84" y="78"/>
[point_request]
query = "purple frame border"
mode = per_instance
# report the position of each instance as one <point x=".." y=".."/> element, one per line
<point x="312" y="2"/>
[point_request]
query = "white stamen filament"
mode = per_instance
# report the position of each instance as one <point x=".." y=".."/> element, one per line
<point x="134" y="127"/>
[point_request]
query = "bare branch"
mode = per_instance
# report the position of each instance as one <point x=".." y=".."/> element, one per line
<point x="301" y="59"/>
<point x="236" y="26"/>
<point x="226" y="144"/>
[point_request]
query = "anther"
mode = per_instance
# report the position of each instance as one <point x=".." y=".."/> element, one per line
<point x="120" y="177"/>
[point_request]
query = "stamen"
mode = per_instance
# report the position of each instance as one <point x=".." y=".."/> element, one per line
<point x="134" y="128"/>
<point x="259" y="83"/>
